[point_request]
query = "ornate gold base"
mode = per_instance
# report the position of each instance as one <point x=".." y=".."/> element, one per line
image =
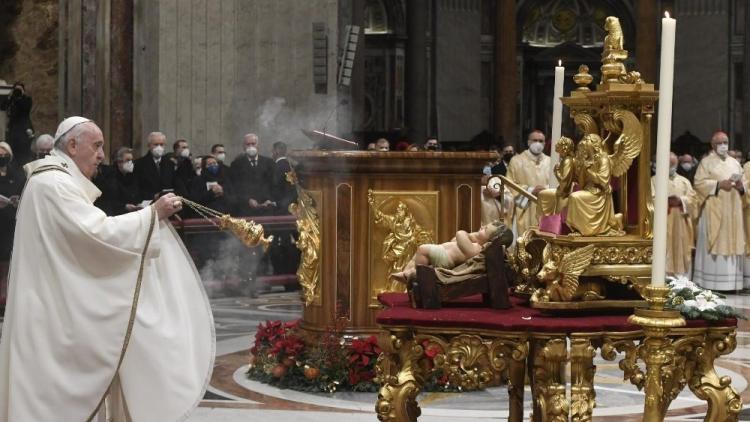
<point x="602" y="305"/>
<point x="475" y="359"/>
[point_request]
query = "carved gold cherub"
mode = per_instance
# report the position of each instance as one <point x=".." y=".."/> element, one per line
<point x="552" y="201"/>
<point x="560" y="277"/>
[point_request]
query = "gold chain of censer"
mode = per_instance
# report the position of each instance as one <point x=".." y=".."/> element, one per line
<point x="250" y="233"/>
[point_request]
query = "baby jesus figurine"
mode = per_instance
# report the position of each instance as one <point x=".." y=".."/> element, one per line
<point x="450" y="254"/>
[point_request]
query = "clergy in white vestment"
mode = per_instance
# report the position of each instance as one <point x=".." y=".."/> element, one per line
<point x="531" y="170"/>
<point x="680" y="233"/>
<point x="720" y="249"/>
<point x="113" y="322"/>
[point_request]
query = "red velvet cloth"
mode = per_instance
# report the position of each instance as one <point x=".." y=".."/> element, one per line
<point x="469" y="313"/>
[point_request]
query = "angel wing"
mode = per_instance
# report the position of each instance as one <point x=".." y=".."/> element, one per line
<point x="628" y="145"/>
<point x="571" y="266"/>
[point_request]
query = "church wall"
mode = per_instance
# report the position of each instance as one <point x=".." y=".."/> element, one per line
<point x="701" y="85"/>
<point x="34" y="33"/>
<point x="226" y="68"/>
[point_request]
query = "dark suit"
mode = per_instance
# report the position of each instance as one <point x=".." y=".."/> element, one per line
<point x="500" y="168"/>
<point x="151" y="178"/>
<point x="283" y="192"/>
<point x="10" y="185"/>
<point x="251" y="181"/>
<point x="184" y="175"/>
<point x="118" y="189"/>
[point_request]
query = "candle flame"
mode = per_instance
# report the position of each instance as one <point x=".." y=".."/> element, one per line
<point x="559" y="62"/>
<point x="666" y="14"/>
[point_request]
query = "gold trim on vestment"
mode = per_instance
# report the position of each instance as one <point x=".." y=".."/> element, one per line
<point x="133" y="309"/>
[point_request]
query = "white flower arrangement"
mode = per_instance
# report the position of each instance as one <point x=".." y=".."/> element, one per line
<point x="694" y="302"/>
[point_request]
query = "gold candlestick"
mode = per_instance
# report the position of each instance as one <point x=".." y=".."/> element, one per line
<point x="656" y="350"/>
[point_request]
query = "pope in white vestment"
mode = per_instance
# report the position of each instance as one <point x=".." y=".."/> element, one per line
<point x="531" y="170"/>
<point x="99" y="307"/>
<point x="720" y="249"/>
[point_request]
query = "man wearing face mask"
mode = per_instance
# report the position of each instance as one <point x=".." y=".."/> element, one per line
<point x="219" y="152"/>
<point x="687" y="167"/>
<point x="153" y="172"/>
<point x="432" y="144"/>
<point x="118" y="185"/>
<point x="184" y="170"/>
<point x="530" y="169"/>
<point x="251" y="175"/>
<point x="680" y="233"/>
<point x="720" y="249"/>
<point x="501" y="167"/>
<point x="42" y="146"/>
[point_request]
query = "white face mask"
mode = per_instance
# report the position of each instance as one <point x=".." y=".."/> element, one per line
<point x="722" y="149"/>
<point x="251" y="151"/>
<point x="221" y="156"/>
<point x="536" y="148"/>
<point x="128" y="166"/>
<point x="157" y="151"/>
<point x="686" y="166"/>
<point x="185" y="153"/>
<point x="672" y="171"/>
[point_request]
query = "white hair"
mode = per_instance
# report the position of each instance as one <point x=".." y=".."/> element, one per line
<point x="156" y="135"/>
<point x="250" y="135"/>
<point x="42" y="140"/>
<point x="74" y="133"/>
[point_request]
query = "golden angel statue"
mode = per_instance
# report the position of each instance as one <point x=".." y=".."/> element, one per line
<point x="402" y="240"/>
<point x="590" y="211"/>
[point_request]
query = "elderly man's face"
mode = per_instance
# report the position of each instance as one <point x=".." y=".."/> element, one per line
<point x="251" y="141"/>
<point x="87" y="150"/>
<point x="155" y="141"/>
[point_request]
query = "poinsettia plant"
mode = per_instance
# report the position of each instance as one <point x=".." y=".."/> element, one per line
<point x="281" y="357"/>
<point x="694" y="302"/>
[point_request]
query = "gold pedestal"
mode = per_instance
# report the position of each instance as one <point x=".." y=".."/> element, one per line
<point x="656" y="349"/>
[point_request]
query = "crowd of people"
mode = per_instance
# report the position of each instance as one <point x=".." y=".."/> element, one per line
<point x="709" y="213"/>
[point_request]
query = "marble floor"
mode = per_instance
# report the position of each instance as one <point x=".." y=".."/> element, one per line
<point x="232" y="397"/>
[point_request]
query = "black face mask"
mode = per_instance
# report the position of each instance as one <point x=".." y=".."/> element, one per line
<point x="431" y="147"/>
<point x="41" y="155"/>
<point x="507" y="156"/>
<point x="4" y="161"/>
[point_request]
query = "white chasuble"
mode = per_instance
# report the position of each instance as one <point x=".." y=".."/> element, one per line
<point x="91" y="297"/>
<point x="528" y="171"/>
<point x="720" y="246"/>
<point x="680" y="231"/>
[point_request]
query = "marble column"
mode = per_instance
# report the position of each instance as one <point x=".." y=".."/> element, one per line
<point x="96" y="66"/>
<point x="120" y="91"/>
<point x="416" y="70"/>
<point x="506" y="72"/>
<point x="646" y="39"/>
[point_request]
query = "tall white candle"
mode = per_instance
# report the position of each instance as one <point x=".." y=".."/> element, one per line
<point x="556" y="121"/>
<point x="663" y="139"/>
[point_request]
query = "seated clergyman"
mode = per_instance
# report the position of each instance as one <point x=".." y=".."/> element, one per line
<point x="450" y="254"/>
